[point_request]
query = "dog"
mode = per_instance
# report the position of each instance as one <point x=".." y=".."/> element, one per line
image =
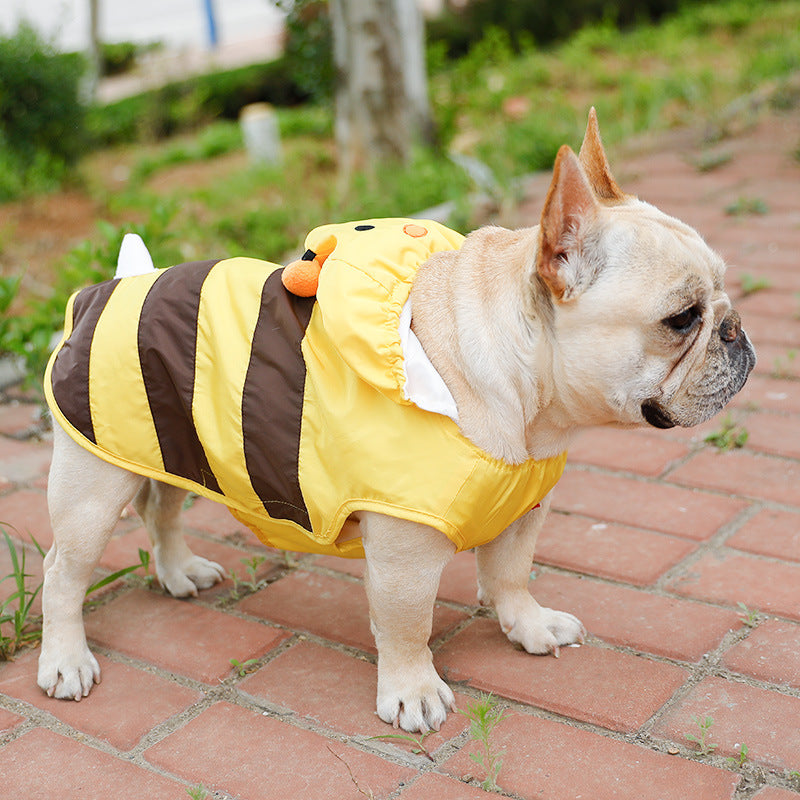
<point x="609" y="312"/>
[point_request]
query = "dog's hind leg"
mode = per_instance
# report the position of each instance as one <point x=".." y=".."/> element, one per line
<point x="179" y="570"/>
<point x="85" y="496"/>
<point x="504" y="566"/>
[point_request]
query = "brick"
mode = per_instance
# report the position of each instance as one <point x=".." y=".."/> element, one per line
<point x="123" y="551"/>
<point x="16" y="418"/>
<point x="23" y="462"/>
<point x="608" y="550"/>
<point x="8" y="720"/>
<point x="120" y="711"/>
<point x="349" y="566"/>
<point x="643" y="504"/>
<point x="770" y="302"/>
<point x="177" y="635"/>
<point x="778" y="434"/>
<point x="334" y="689"/>
<point x="66" y="769"/>
<point x="769" y="653"/>
<point x="442" y="787"/>
<point x="664" y="626"/>
<point x="771" y="394"/>
<point x="615" y="690"/>
<point x="773" y="793"/>
<point x="761" y="328"/>
<point x="547" y="760"/>
<point x="328" y="607"/>
<point x="770" y="533"/>
<point x="733" y="578"/>
<point x="249" y="755"/>
<point x="763" y="720"/>
<point x="743" y="473"/>
<point x="26" y="512"/>
<point x="633" y="451"/>
<point x="777" y="361"/>
<point x="458" y="583"/>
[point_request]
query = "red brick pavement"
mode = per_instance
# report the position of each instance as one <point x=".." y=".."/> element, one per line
<point x="655" y="540"/>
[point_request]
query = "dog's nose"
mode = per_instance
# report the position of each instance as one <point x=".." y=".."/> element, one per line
<point x="730" y="327"/>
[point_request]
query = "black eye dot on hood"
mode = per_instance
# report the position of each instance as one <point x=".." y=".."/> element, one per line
<point x="364" y="227"/>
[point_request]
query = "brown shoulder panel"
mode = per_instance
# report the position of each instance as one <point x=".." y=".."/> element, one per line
<point x="70" y="373"/>
<point x="272" y="401"/>
<point x="167" y="345"/>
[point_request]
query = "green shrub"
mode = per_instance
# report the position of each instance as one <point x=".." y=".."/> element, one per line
<point x="42" y="120"/>
<point x="189" y="104"/>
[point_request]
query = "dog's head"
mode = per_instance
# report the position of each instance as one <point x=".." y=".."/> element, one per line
<point x="642" y="329"/>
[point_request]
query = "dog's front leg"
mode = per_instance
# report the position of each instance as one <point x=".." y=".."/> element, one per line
<point x="404" y="564"/>
<point x="504" y="566"/>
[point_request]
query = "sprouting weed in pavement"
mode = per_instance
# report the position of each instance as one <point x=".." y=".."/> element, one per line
<point x="740" y="758"/>
<point x="754" y="283"/>
<point x="484" y="716"/>
<point x="16" y="610"/>
<point x="728" y="436"/>
<point x="704" y="746"/>
<point x="243" y="667"/>
<point x="417" y="741"/>
<point x="748" y="616"/>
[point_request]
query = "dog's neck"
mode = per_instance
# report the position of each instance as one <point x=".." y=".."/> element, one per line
<point x="488" y="342"/>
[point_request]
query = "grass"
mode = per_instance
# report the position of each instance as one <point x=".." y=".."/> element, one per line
<point x="197" y="197"/>
<point x="19" y="626"/>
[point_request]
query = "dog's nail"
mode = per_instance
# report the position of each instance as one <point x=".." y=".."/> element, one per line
<point x="51" y="691"/>
<point x="556" y="651"/>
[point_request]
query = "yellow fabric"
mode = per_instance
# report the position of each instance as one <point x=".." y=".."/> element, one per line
<point x="115" y="343"/>
<point x="363" y="446"/>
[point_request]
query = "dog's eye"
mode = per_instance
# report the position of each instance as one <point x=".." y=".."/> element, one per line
<point x="684" y="321"/>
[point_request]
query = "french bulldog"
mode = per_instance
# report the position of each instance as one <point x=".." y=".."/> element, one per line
<point x="608" y="312"/>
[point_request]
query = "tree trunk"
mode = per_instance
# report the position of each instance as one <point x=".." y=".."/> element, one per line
<point x="382" y="107"/>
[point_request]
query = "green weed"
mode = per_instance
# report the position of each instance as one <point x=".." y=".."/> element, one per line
<point x="754" y="283"/>
<point x="243" y="667"/>
<point x="748" y="615"/>
<point x="251" y="564"/>
<point x="782" y="365"/>
<point x="18" y="625"/>
<point x="701" y="739"/>
<point x="729" y="436"/>
<point x="16" y="610"/>
<point x="484" y="716"/>
<point x="744" y="206"/>
<point x="417" y="741"/>
<point x="198" y="792"/>
<point x="740" y="758"/>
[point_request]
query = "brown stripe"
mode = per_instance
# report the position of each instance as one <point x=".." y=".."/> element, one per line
<point x="70" y="373"/>
<point x="272" y="401"/>
<point x="167" y="345"/>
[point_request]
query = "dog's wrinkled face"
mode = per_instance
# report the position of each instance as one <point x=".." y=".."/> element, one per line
<point x="644" y="329"/>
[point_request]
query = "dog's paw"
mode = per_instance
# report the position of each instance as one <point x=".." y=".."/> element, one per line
<point x="537" y="629"/>
<point x="68" y="678"/>
<point x="192" y="573"/>
<point x="415" y="705"/>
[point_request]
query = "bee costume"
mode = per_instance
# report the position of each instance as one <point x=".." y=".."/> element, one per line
<point x="292" y="411"/>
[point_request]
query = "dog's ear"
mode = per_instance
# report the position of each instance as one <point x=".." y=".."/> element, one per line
<point x="593" y="158"/>
<point x="570" y="201"/>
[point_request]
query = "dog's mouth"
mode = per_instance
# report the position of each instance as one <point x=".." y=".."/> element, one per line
<point x="656" y="415"/>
